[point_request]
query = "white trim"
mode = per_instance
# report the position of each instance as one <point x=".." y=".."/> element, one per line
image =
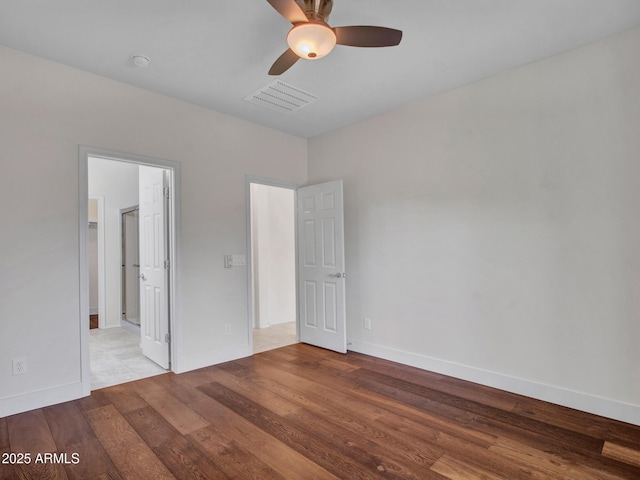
<point x="83" y="301"/>
<point x="561" y="396"/>
<point x="84" y="152"/>
<point x="214" y="358"/>
<point x="42" y="398"/>
<point x="249" y="179"/>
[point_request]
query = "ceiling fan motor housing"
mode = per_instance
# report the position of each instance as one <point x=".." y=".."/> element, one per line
<point x="316" y="9"/>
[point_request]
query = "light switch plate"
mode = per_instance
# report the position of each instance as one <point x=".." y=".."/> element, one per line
<point x="239" y="260"/>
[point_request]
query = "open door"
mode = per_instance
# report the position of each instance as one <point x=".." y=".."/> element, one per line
<point x="154" y="274"/>
<point x="321" y="276"/>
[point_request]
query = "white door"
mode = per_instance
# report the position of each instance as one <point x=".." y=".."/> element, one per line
<point x="154" y="294"/>
<point x="321" y="276"/>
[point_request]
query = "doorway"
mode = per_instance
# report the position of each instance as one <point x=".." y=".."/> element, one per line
<point x="121" y="355"/>
<point x="318" y="252"/>
<point x="273" y="266"/>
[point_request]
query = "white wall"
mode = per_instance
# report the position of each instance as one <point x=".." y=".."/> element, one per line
<point x="492" y="232"/>
<point x="117" y="182"/>
<point x="273" y="254"/>
<point x="46" y="111"/>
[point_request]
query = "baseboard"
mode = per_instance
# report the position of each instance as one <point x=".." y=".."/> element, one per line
<point x="94" y="311"/>
<point x="213" y="358"/>
<point x="129" y="327"/>
<point x="569" y="398"/>
<point x="40" y="399"/>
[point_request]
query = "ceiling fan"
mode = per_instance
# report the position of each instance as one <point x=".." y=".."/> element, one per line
<point x="312" y="38"/>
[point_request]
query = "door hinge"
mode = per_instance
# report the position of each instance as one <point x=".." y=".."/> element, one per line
<point x="167" y="338"/>
<point x="167" y="264"/>
<point x="166" y="192"/>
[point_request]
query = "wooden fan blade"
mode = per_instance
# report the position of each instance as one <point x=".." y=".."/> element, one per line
<point x="290" y="10"/>
<point x="367" y="36"/>
<point x="284" y="62"/>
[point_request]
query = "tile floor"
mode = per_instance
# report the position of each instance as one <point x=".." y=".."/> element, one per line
<point x="116" y="358"/>
<point x="275" y="336"/>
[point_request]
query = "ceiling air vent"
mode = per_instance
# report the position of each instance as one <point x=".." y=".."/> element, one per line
<point x="281" y="97"/>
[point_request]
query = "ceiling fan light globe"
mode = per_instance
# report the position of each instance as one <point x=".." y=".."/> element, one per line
<point x="311" y="40"/>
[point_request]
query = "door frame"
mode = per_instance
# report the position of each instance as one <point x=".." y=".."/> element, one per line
<point x="250" y="280"/>
<point x="84" y="152"/>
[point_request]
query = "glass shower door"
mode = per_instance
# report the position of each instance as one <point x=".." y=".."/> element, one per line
<point x="130" y="266"/>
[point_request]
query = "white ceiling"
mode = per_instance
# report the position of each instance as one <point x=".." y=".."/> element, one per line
<point x="214" y="53"/>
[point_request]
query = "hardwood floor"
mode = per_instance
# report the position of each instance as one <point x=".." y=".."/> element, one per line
<point x="300" y="412"/>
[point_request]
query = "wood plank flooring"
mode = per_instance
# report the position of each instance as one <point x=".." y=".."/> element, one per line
<point x="303" y="413"/>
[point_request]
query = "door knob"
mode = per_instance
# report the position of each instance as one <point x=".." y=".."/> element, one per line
<point x="337" y="275"/>
<point x="144" y="279"/>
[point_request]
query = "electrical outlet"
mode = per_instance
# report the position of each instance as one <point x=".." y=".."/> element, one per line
<point x="367" y="324"/>
<point x="227" y="329"/>
<point x="20" y="365"/>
